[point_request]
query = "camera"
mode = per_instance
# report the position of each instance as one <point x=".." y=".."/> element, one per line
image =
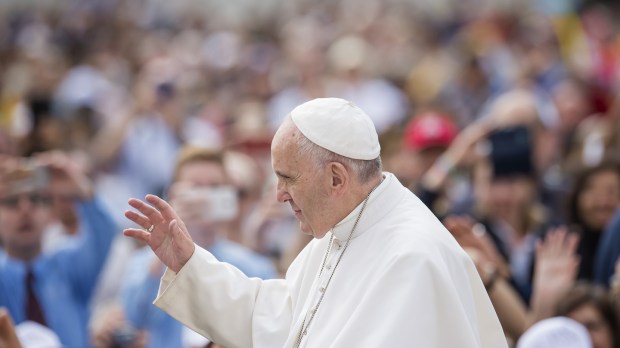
<point x="219" y="203"/>
<point x="26" y="178"/>
<point x="511" y="152"/>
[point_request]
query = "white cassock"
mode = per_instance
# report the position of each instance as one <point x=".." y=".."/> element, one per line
<point x="402" y="282"/>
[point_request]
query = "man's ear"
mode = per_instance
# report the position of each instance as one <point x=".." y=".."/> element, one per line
<point x="340" y="177"/>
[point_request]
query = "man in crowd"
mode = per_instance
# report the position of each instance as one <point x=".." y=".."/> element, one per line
<point x="53" y="289"/>
<point x="203" y="197"/>
<point x="381" y="270"/>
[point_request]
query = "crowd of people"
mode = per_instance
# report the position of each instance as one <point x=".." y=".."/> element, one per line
<point x="503" y="118"/>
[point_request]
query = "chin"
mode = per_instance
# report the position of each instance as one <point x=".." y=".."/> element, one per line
<point x="306" y="229"/>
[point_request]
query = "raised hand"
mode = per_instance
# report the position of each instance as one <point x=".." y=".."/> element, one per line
<point x="555" y="271"/>
<point x="8" y="336"/>
<point x="68" y="176"/>
<point x="556" y="259"/>
<point x="162" y="230"/>
<point x="472" y="236"/>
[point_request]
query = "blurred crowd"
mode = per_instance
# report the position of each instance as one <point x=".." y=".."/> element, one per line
<point x="502" y="116"/>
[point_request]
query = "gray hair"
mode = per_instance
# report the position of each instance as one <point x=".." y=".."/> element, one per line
<point x="364" y="170"/>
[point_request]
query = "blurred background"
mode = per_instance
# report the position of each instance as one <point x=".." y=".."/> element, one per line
<point x="502" y="116"/>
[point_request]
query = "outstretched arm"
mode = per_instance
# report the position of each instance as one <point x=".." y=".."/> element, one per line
<point x="213" y="298"/>
<point x="493" y="271"/>
<point x="69" y="181"/>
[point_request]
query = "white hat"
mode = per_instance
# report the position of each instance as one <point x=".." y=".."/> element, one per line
<point x="35" y="335"/>
<point x="338" y="125"/>
<point x="555" y="332"/>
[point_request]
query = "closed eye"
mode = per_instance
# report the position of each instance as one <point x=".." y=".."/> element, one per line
<point x="287" y="179"/>
<point x="283" y="176"/>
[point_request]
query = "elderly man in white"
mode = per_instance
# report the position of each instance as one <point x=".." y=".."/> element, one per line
<point x="382" y="271"/>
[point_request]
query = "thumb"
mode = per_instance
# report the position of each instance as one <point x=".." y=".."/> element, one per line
<point x="175" y="229"/>
<point x="179" y="235"/>
<point x="183" y="242"/>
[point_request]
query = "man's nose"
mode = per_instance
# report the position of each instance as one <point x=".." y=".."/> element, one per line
<point x="24" y="203"/>
<point x="282" y="194"/>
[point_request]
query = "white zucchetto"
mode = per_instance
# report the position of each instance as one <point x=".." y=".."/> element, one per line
<point x="338" y="125"/>
<point x="554" y="333"/>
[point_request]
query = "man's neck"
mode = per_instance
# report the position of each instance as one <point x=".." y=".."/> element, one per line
<point x="23" y="253"/>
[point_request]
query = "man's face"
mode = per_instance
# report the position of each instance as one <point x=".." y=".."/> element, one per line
<point x="301" y="184"/>
<point x="191" y="207"/>
<point x="428" y="156"/>
<point x="23" y="218"/>
<point x="202" y="174"/>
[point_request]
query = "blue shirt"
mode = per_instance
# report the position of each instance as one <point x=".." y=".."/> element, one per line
<point x="141" y="288"/>
<point x="608" y="252"/>
<point x="64" y="279"/>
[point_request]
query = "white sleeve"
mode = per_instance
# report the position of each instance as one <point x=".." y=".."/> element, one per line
<point x="218" y="301"/>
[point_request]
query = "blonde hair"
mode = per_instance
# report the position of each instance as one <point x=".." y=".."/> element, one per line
<point x="191" y="154"/>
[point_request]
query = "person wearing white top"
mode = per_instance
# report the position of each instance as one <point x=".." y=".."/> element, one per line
<point x="381" y="271"/>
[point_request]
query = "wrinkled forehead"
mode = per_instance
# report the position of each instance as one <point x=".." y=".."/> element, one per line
<point x="286" y="136"/>
<point x="284" y="146"/>
<point x="286" y="130"/>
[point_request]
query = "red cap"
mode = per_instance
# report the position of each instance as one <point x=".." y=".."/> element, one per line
<point x="429" y="129"/>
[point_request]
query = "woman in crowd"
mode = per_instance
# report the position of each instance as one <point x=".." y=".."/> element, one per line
<point x="594" y="199"/>
<point x="592" y="307"/>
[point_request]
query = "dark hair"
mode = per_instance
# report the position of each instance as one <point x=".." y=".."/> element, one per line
<point x="574" y="216"/>
<point x="589" y="294"/>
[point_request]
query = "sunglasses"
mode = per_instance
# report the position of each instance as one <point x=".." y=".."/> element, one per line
<point x="35" y="199"/>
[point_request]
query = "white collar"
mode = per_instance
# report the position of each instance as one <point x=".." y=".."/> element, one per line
<point x="384" y="198"/>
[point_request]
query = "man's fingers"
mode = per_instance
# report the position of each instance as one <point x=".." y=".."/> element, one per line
<point x="138" y="234"/>
<point x="139" y="219"/>
<point x="164" y="208"/>
<point x="151" y="213"/>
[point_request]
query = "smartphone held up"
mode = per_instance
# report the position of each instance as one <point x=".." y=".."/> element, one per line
<point x="219" y="203"/>
<point x="27" y="177"/>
